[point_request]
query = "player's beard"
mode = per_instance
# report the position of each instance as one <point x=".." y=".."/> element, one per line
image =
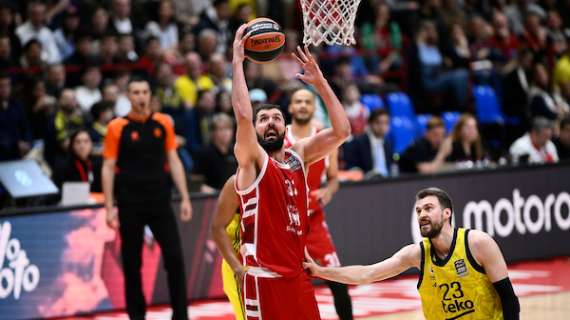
<point x="434" y="229"/>
<point x="271" y="145"/>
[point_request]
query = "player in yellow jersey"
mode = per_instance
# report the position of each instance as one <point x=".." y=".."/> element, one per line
<point x="463" y="274"/>
<point x="226" y="234"/>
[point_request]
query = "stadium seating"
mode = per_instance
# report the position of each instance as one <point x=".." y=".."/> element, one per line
<point x="372" y="101"/>
<point x="487" y="106"/>
<point x="400" y="105"/>
<point x="402" y="133"/>
<point x="450" y="119"/>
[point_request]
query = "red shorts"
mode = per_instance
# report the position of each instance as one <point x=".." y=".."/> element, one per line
<point x="280" y="298"/>
<point x="319" y="241"/>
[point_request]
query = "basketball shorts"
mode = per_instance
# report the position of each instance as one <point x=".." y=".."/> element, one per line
<point x="279" y="298"/>
<point x="232" y="291"/>
<point x="319" y="241"/>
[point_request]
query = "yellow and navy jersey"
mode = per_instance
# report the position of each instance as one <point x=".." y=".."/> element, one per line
<point x="456" y="287"/>
<point x="232" y="229"/>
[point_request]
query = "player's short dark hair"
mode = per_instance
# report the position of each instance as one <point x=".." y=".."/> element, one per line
<point x="266" y="106"/>
<point x="541" y="123"/>
<point x="377" y="113"/>
<point x="442" y="196"/>
<point x="136" y="78"/>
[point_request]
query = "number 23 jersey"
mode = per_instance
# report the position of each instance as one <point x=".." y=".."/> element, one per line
<point x="456" y="287"/>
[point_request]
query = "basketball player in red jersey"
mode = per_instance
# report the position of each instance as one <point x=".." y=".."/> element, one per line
<point x="273" y="192"/>
<point x="319" y="241"/>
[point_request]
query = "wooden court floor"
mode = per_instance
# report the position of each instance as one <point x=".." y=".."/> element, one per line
<point x="543" y="307"/>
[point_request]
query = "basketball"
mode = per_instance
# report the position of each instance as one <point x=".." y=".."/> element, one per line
<point x="266" y="41"/>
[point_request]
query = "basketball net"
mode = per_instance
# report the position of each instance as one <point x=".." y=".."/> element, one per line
<point x="329" y="21"/>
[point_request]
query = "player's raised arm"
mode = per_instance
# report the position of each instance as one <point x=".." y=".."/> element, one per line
<point x="226" y="207"/>
<point x="408" y="257"/>
<point x="318" y="146"/>
<point x="247" y="150"/>
<point x="489" y="256"/>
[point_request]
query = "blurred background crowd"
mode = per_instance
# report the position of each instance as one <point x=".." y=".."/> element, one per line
<point x="431" y="85"/>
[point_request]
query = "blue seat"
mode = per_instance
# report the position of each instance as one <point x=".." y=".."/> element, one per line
<point x="422" y="120"/>
<point x="487" y="106"/>
<point x="402" y="133"/>
<point x="400" y="105"/>
<point x="372" y="101"/>
<point x="450" y="119"/>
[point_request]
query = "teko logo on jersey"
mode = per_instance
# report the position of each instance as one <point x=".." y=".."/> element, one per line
<point x="531" y="214"/>
<point x="16" y="272"/>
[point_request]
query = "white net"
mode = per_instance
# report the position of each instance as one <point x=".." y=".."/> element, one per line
<point x="329" y="21"/>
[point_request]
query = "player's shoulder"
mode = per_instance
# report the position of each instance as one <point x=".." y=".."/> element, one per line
<point x="163" y="119"/>
<point x="117" y="124"/>
<point x="478" y="238"/>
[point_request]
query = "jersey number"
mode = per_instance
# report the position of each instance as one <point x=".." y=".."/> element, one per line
<point x="457" y="292"/>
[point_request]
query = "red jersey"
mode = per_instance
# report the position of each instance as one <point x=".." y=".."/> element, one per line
<point x="274" y="222"/>
<point x="315" y="172"/>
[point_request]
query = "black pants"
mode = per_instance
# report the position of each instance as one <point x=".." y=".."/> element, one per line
<point x="162" y="223"/>
<point x="342" y="302"/>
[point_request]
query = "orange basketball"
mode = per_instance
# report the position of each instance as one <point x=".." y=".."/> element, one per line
<point x="266" y="41"/>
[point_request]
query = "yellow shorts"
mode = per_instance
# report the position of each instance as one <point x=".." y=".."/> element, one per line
<point x="231" y="290"/>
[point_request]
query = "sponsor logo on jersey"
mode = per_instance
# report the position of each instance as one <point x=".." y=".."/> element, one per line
<point x="461" y="268"/>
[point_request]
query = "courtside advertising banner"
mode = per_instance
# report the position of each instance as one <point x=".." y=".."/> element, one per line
<point x="67" y="262"/>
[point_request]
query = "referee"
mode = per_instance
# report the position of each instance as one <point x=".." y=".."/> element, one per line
<point x="139" y="156"/>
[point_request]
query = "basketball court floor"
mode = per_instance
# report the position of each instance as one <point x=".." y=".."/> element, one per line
<point x="542" y="286"/>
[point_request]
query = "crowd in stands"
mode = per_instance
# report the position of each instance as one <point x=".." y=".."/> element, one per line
<point x="415" y="87"/>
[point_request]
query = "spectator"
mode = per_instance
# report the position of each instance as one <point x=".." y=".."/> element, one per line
<point x="224" y="103"/>
<point x="355" y="110"/>
<point x="459" y="52"/>
<point x="218" y="68"/>
<point x="535" y="33"/>
<point x="101" y="113"/>
<point x="65" y="35"/>
<point x="193" y="80"/>
<point x="242" y="14"/>
<point x="81" y="165"/>
<point x="108" y="49"/>
<point x="217" y="17"/>
<point x="186" y="44"/>
<point x="428" y="154"/>
<point x="32" y="57"/>
<point x="467" y="145"/>
<point x="126" y="49"/>
<point x="7" y="57"/>
<point x="55" y="79"/>
<point x="121" y="17"/>
<point x="113" y="94"/>
<point x="39" y="107"/>
<point x="371" y="152"/>
<point x="207" y="43"/>
<point x="555" y="38"/>
<point x="151" y="57"/>
<point x="83" y="50"/>
<point x="35" y="28"/>
<point x="562" y="143"/>
<point x="8" y="25"/>
<point x="99" y="23"/>
<point x="88" y="93"/>
<point x="217" y="162"/>
<point x="433" y="78"/>
<point x="542" y="102"/>
<point x="15" y="135"/>
<point x="504" y="42"/>
<point x="169" y="98"/>
<point x="535" y="146"/>
<point x="385" y="40"/>
<point x="66" y="120"/>
<point x="515" y="84"/>
<point x="164" y="27"/>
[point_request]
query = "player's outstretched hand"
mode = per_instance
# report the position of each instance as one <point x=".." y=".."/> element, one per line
<point x="238" y="46"/>
<point x="311" y="72"/>
<point x="310" y="265"/>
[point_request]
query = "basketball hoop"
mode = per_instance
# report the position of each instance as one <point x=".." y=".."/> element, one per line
<point x="329" y="21"/>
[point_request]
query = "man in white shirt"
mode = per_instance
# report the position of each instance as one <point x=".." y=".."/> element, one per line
<point x="35" y="28"/>
<point x="121" y="11"/>
<point x="88" y="93"/>
<point x="535" y="146"/>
